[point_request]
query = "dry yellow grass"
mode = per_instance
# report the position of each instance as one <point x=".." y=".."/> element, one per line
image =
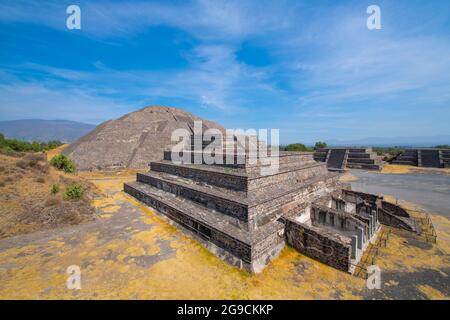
<point x="404" y="169"/>
<point x="348" y="177"/>
<point x="54" y="152"/>
<point x="26" y="201"/>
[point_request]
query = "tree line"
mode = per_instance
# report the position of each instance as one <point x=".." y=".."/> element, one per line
<point x="15" y="145"/>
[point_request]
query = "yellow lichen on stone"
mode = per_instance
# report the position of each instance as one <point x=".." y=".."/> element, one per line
<point x="432" y="293"/>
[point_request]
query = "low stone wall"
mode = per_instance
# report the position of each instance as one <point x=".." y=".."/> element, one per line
<point x="318" y="245"/>
<point x="262" y="213"/>
<point x="389" y="219"/>
<point x="295" y="174"/>
<point x="352" y="196"/>
<point x="394" y="209"/>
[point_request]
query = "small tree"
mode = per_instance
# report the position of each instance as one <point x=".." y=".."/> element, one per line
<point x="63" y="162"/>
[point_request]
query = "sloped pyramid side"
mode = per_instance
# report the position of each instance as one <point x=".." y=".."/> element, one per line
<point x="133" y="140"/>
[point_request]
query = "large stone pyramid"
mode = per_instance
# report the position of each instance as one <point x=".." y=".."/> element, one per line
<point x="133" y="140"/>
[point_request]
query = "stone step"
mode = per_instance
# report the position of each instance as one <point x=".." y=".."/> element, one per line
<point x="208" y="224"/>
<point x="245" y="160"/>
<point x="356" y="155"/>
<point x="364" y="166"/>
<point x="412" y="153"/>
<point x="231" y="178"/>
<point x="405" y="162"/>
<point x="229" y="202"/>
<point x="360" y="160"/>
<point x="235" y="204"/>
<point x="239" y="179"/>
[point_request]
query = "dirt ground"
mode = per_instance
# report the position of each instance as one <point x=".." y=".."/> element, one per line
<point x="130" y="252"/>
<point x="27" y="203"/>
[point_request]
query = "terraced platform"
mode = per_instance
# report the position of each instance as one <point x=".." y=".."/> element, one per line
<point x="234" y="209"/>
<point x="245" y="215"/>
<point x="338" y="159"/>
<point x="424" y="157"/>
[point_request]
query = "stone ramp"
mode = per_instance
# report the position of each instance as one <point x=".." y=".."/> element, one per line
<point x="336" y="159"/>
<point x="430" y="158"/>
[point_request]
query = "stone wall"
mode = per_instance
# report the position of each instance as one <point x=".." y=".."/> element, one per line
<point x="316" y="244"/>
<point x="270" y="210"/>
<point x="394" y="209"/>
<point x="222" y="240"/>
<point x="292" y="175"/>
<point x="223" y="180"/>
<point x="226" y="206"/>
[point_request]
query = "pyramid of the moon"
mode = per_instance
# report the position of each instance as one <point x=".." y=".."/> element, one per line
<point x="133" y="140"/>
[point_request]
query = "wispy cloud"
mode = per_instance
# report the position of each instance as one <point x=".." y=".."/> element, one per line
<point x="327" y="73"/>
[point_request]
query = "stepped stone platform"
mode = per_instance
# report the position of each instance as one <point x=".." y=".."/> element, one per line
<point x="424" y="157"/>
<point x="338" y="159"/>
<point x="246" y="217"/>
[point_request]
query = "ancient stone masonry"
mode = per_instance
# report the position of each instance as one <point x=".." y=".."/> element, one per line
<point x="246" y="217"/>
<point x="338" y="159"/>
<point x="425" y="157"/>
<point x="132" y="140"/>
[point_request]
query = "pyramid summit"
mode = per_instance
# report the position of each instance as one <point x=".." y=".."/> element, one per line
<point x="132" y="140"/>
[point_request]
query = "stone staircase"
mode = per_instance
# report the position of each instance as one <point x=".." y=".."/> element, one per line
<point x="232" y="208"/>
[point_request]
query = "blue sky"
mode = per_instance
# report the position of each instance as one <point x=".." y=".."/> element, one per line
<point x="310" y="68"/>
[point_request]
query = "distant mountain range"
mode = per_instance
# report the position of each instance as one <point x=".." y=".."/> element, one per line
<point x="420" y="141"/>
<point x="69" y="131"/>
<point x="45" y="130"/>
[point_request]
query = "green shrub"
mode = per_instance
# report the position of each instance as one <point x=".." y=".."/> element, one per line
<point x="63" y="162"/>
<point x="74" y="191"/>
<point x="55" y="188"/>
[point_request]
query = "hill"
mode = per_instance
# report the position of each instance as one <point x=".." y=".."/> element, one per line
<point x="44" y="130"/>
<point x="133" y="140"/>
